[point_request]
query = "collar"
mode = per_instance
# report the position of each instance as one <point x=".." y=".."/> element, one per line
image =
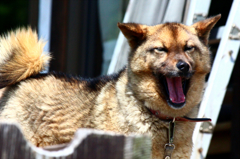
<point x="169" y="118"/>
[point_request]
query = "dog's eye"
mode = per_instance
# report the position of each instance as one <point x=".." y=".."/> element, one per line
<point x="160" y="49"/>
<point x="189" y="48"/>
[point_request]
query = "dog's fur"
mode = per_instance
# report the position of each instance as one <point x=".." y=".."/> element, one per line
<point x="51" y="107"/>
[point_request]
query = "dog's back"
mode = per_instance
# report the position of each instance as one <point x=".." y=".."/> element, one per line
<point x="50" y="107"/>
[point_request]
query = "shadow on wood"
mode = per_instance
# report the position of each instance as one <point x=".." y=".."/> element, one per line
<point x="87" y="144"/>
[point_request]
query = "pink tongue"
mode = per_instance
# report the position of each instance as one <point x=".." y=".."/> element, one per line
<point x="176" y="94"/>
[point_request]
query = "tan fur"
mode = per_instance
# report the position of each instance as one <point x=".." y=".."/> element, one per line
<point x="50" y="108"/>
<point x="21" y="56"/>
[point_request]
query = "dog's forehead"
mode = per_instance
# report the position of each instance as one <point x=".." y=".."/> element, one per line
<point x="170" y="34"/>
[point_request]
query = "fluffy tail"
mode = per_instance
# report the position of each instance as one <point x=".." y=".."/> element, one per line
<point x="21" y="56"/>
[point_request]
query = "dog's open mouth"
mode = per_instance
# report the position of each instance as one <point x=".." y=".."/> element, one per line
<point x="175" y="90"/>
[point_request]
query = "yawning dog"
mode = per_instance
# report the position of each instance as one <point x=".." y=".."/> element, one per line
<point x="163" y="80"/>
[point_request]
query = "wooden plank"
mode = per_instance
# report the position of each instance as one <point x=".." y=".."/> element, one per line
<point x="218" y="81"/>
<point x="33" y="13"/>
<point x="84" y="47"/>
<point x="75" y="41"/>
<point x="12" y="143"/>
<point x="87" y="143"/>
<point x="58" y="40"/>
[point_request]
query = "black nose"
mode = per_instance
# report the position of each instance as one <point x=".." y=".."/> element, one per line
<point x="183" y="66"/>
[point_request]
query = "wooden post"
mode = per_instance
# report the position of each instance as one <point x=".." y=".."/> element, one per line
<point x="58" y="38"/>
<point x="84" y="47"/>
<point x="33" y="12"/>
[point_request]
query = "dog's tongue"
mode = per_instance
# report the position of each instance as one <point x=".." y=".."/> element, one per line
<point x="175" y="89"/>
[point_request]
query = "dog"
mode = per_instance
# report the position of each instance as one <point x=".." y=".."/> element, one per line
<point x="164" y="79"/>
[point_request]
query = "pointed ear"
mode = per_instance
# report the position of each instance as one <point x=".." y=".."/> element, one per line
<point x="133" y="32"/>
<point x="204" y="27"/>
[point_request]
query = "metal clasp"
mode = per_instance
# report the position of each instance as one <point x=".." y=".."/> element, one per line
<point x="235" y="33"/>
<point x="198" y="17"/>
<point x="206" y="127"/>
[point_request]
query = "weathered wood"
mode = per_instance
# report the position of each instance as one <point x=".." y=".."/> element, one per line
<point x="33" y="13"/>
<point x="87" y="144"/>
<point x="84" y="47"/>
<point x="12" y="143"/>
<point x="217" y="83"/>
<point x="58" y="40"/>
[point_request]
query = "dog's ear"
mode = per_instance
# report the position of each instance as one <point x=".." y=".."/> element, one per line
<point x="133" y="32"/>
<point x="204" y="27"/>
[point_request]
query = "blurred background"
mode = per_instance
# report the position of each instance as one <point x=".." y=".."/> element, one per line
<point x="82" y="35"/>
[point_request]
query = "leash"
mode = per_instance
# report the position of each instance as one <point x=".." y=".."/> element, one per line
<point x="169" y="147"/>
<point x="186" y="119"/>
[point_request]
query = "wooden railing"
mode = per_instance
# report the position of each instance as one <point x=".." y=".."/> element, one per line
<point x="87" y="144"/>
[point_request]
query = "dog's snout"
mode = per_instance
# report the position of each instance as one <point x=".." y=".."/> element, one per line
<point x="183" y="66"/>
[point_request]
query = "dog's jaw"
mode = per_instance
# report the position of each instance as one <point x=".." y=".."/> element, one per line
<point x="156" y="98"/>
<point x="173" y="90"/>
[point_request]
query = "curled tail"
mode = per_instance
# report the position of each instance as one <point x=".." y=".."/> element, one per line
<point x="21" y="56"/>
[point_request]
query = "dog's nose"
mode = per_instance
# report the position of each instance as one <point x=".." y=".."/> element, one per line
<point x="183" y="66"/>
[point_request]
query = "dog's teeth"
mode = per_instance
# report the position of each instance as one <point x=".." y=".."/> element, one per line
<point x="129" y="93"/>
<point x="171" y="99"/>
